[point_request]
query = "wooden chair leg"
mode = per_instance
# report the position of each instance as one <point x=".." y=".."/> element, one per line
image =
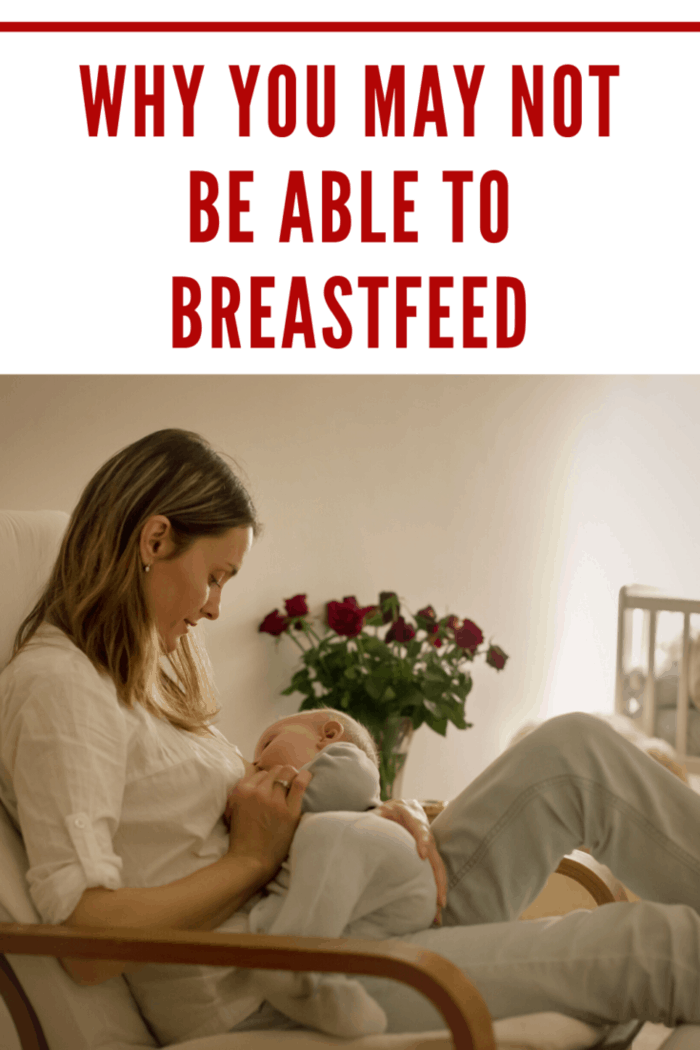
<point x="29" y="1030"/>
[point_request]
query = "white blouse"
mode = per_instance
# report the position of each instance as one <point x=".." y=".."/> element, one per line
<point x="110" y="796"/>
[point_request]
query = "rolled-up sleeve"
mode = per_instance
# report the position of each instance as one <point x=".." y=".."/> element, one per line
<point x="64" y="746"/>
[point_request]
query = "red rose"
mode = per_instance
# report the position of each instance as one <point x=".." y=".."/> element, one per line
<point x="451" y="621"/>
<point x="296" y="606"/>
<point x="400" y="631"/>
<point x="426" y="619"/>
<point x="468" y="636"/>
<point x="351" y="600"/>
<point x="274" y="623"/>
<point x="345" y="619"/>
<point x="437" y="642"/>
<point x="496" y="657"/>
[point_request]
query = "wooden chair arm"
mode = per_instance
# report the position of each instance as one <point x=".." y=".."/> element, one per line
<point x="598" y="880"/>
<point x="461" y="1005"/>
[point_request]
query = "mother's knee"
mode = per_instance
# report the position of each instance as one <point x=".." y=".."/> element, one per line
<point x="575" y="720"/>
<point x="574" y="727"/>
<point x="565" y="741"/>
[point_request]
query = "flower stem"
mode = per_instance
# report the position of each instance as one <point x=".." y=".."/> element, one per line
<point x="296" y="641"/>
<point x="313" y="633"/>
<point x="363" y="657"/>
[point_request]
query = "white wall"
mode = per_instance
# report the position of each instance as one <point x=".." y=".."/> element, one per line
<point x="523" y="503"/>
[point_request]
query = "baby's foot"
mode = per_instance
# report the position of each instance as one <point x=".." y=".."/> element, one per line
<point x="331" y="1003"/>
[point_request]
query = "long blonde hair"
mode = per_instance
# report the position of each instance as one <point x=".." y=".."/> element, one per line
<point x="96" y="591"/>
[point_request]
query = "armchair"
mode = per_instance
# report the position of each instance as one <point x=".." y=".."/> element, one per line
<point x="51" y="1013"/>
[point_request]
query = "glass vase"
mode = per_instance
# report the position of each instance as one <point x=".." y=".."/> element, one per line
<point x="393" y="742"/>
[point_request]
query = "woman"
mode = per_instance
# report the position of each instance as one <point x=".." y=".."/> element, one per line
<point x="118" y="781"/>
<point x="110" y="765"/>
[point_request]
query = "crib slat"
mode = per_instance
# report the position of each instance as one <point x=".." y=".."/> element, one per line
<point x="622" y="622"/>
<point x="649" y="709"/>
<point x="683" y="684"/>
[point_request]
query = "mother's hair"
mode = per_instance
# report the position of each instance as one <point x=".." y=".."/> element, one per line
<point x="96" y="591"/>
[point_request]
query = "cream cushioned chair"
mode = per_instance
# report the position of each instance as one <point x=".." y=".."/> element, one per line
<point x="52" y="1013"/>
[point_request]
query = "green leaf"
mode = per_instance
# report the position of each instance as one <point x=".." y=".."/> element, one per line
<point x="300" y="683"/>
<point x="435" y="675"/>
<point x="377" y="648"/>
<point x="382" y="672"/>
<point x="433" y="689"/>
<point x="375" y="619"/>
<point x="452" y="710"/>
<point x="418" y="716"/>
<point x="438" y="724"/>
<point x="413" y="697"/>
<point x="374" y="688"/>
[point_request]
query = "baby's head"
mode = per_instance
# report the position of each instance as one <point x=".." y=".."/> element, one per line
<point x="297" y="739"/>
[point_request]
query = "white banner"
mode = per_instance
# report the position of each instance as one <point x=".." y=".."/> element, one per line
<point x="429" y="195"/>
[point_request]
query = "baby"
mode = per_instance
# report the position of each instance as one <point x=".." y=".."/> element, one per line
<point x="349" y="872"/>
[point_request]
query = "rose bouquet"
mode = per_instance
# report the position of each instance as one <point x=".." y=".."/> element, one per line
<point x="389" y="673"/>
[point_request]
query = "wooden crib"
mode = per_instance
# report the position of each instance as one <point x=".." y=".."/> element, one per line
<point x="638" y="688"/>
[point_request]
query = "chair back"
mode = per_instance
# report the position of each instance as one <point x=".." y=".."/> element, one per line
<point x="29" y="542"/>
<point x="104" y="1017"/>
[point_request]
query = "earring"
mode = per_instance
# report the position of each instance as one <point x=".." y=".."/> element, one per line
<point x="147" y="568"/>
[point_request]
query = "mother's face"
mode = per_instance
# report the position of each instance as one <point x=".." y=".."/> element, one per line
<point x="183" y="589"/>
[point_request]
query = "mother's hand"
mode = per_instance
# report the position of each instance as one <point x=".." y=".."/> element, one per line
<point x="396" y="810"/>
<point x="263" y="815"/>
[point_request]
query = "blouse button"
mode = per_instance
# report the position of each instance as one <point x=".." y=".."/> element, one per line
<point x="79" y="822"/>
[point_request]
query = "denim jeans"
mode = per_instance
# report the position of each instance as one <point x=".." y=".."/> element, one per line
<point x="572" y="782"/>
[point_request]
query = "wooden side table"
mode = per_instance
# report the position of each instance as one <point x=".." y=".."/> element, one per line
<point x="432" y="807"/>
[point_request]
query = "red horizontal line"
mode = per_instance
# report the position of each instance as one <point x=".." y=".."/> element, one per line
<point x="350" y="27"/>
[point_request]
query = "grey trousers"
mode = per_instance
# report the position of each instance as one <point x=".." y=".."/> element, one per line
<point x="572" y="782"/>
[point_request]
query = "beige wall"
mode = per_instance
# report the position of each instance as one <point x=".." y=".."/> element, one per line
<point x="521" y="502"/>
